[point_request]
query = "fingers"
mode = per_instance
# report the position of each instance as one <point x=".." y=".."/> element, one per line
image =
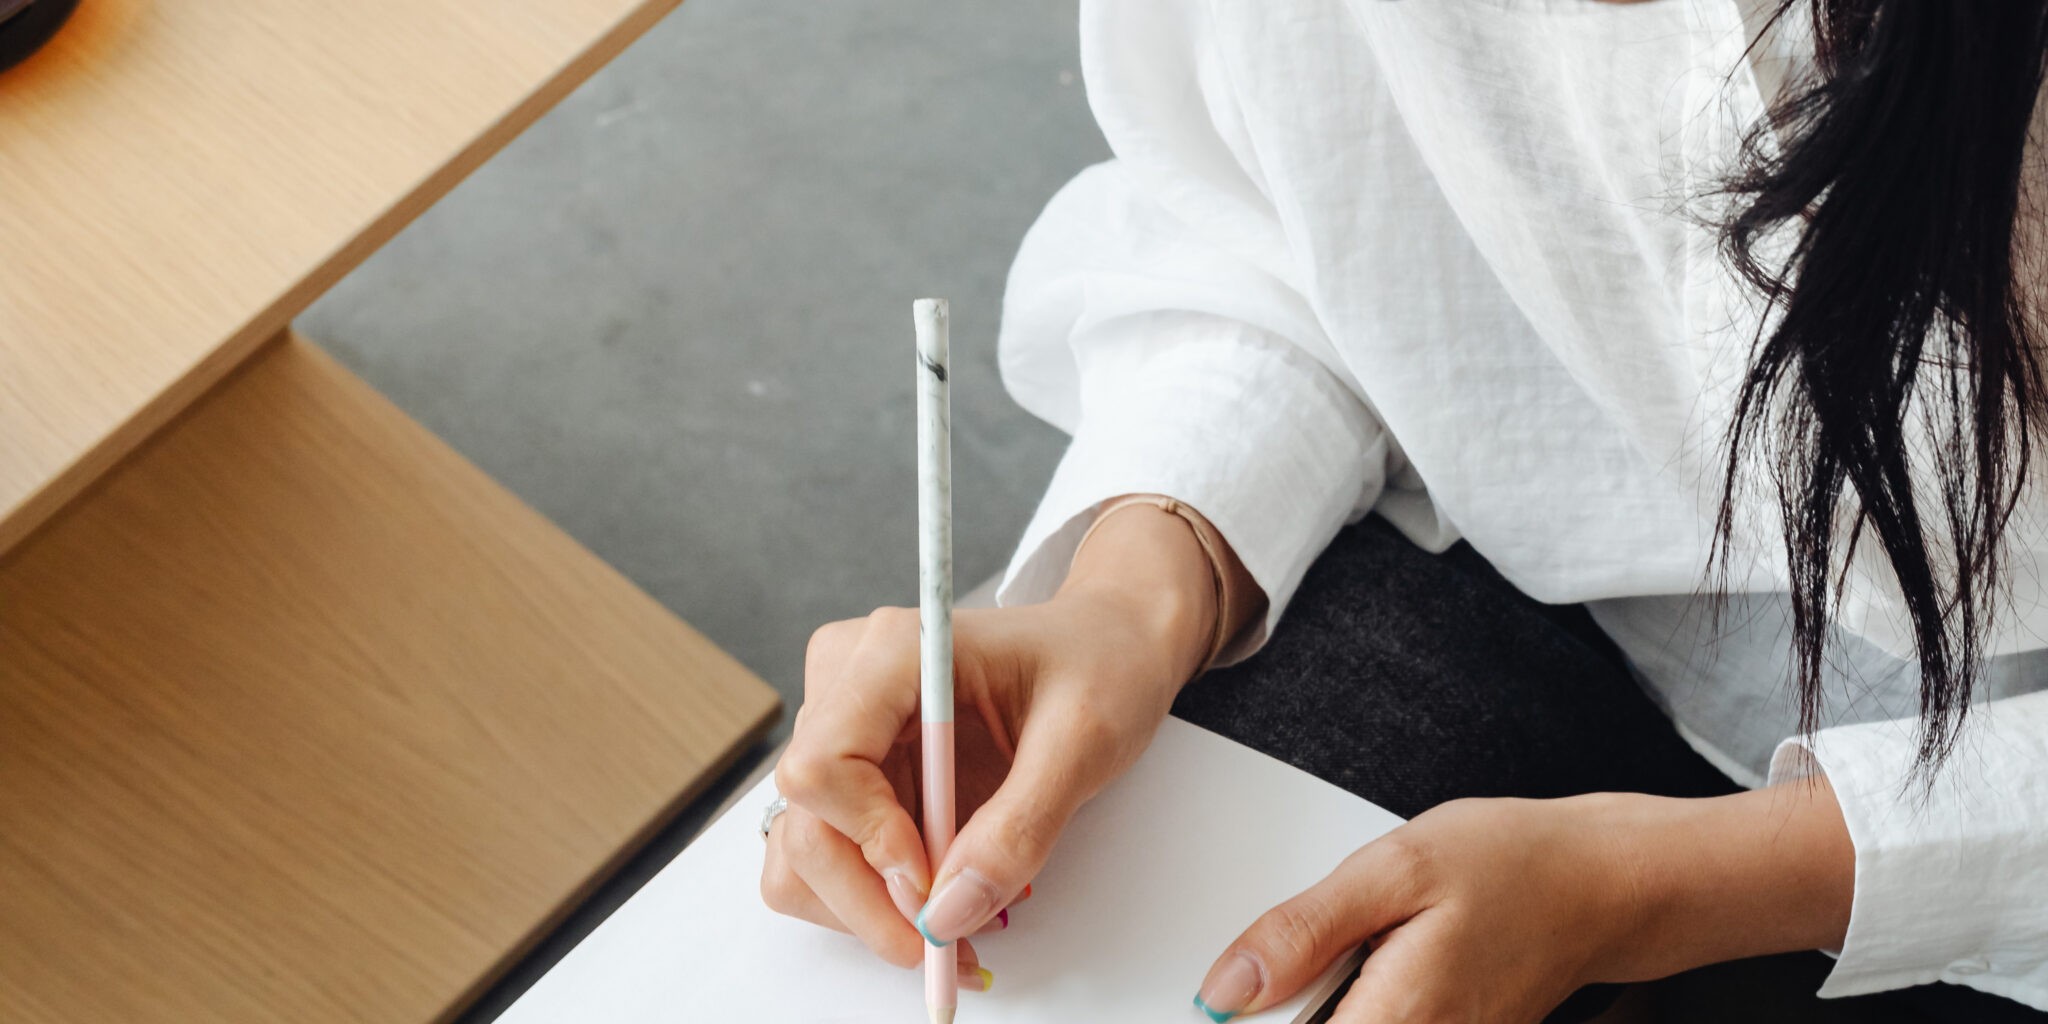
<point x="882" y="928"/>
<point x="1286" y="948"/>
<point x="1062" y="759"/>
<point x="784" y="891"/>
<point x="1001" y="921"/>
<point x="833" y="869"/>
<point x="855" y="849"/>
<point x="857" y="704"/>
<point x="1400" y="981"/>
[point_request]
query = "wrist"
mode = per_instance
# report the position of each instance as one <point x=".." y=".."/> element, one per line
<point x="1144" y="572"/>
<point x="1723" y="878"/>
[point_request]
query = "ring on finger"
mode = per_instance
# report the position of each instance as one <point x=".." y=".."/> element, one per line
<point x="771" y="812"/>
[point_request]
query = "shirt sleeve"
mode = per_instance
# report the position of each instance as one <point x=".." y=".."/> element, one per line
<point x="1952" y="874"/>
<point x="1155" y="312"/>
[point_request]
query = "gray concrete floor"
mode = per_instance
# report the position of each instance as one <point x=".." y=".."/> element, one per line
<point x="674" y="315"/>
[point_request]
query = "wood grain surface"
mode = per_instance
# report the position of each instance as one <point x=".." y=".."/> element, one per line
<point x="302" y="718"/>
<point x="178" y="178"/>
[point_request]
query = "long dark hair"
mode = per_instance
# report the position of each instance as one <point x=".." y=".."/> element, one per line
<point x="1900" y="166"/>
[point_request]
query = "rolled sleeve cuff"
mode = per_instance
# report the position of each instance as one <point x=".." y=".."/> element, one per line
<point x="1950" y="876"/>
<point x="1240" y="425"/>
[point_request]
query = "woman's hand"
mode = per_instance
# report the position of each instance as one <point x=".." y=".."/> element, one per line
<point x="1496" y="910"/>
<point x="1052" y="701"/>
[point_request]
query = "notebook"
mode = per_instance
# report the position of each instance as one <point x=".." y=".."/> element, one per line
<point x="1150" y="882"/>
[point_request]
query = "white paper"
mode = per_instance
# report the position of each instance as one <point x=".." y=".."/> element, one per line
<point x="1151" y="881"/>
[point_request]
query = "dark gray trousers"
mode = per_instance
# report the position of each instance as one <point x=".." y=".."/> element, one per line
<point x="1411" y="679"/>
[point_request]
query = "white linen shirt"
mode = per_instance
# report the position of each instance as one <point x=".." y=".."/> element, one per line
<point x="1437" y="260"/>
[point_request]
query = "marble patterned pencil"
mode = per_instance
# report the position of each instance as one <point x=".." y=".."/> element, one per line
<point x="935" y="621"/>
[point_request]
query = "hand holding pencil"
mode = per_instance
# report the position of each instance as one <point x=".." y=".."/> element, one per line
<point x="1053" y="701"/>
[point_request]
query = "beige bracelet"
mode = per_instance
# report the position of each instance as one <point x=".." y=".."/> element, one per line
<point x="1205" y="535"/>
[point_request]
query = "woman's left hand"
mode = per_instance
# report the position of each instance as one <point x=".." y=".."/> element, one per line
<point x="1496" y="910"/>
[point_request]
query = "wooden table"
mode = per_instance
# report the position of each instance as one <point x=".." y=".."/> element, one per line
<point x="302" y="717"/>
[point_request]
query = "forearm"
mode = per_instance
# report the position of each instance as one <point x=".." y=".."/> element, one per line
<point x="1147" y="563"/>
<point x="1750" y="874"/>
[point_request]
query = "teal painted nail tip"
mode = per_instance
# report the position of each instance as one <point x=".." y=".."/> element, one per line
<point x="1216" y="1015"/>
<point x="928" y="935"/>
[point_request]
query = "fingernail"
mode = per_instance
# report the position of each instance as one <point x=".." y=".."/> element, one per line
<point x="1230" y="987"/>
<point x="1025" y="895"/>
<point x="904" y="890"/>
<point x="996" y="923"/>
<point x="977" y="979"/>
<point x="962" y="903"/>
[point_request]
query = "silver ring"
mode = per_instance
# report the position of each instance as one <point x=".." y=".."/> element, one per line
<point x="775" y="807"/>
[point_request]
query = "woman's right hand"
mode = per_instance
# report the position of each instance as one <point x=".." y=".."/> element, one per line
<point x="1052" y="701"/>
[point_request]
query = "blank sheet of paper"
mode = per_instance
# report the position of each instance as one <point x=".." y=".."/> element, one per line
<point x="1150" y="882"/>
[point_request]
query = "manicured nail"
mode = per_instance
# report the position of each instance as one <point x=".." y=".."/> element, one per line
<point x="977" y="979"/>
<point x="1025" y="895"/>
<point x="1230" y="987"/>
<point x="996" y="923"/>
<point x="904" y="890"/>
<point x="964" y="902"/>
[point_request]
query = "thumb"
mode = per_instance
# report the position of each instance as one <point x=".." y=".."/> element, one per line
<point x="1291" y="944"/>
<point x="1006" y="842"/>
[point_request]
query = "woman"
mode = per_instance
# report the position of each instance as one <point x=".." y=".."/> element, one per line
<point x="1713" y="316"/>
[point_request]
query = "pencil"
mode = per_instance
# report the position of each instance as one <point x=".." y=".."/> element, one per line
<point x="935" y="622"/>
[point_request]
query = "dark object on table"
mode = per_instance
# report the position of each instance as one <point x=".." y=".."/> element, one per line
<point x="26" y="25"/>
